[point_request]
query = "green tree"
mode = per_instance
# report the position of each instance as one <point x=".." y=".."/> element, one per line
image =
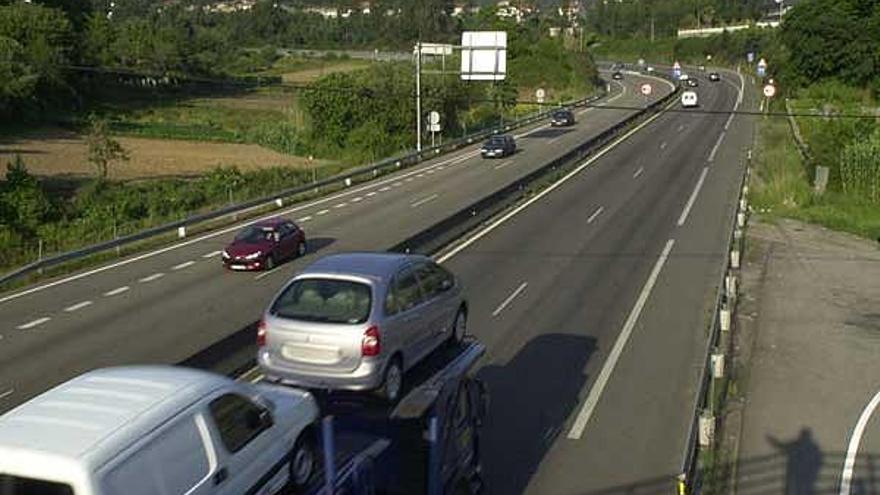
<point x="104" y="151"/>
<point x="23" y="204"/>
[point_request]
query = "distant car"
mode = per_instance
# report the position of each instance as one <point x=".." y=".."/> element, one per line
<point x="650" y="69"/>
<point x="692" y="83"/>
<point x="159" y="430"/>
<point x="617" y="76"/>
<point x="689" y="99"/>
<point x="499" y="146"/>
<point x="562" y="118"/>
<point x="263" y="245"/>
<point x="683" y="78"/>
<point x="714" y="77"/>
<point x="358" y="321"/>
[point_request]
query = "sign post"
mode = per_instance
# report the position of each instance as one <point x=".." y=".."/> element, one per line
<point x="433" y="125"/>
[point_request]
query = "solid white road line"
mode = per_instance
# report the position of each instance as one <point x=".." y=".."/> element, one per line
<point x="595" y="214"/>
<point x="638" y="172"/>
<point x="117" y="291"/>
<point x="304" y="219"/>
<point x="583" y="417"/>
<point x="155" y="276"/>
<point x="35" y="323"/>
<point x="323" y="212"/>
<point x="715" y="148"/>
<point x="504" y="218"/>
<point x="212" y="254"/>
<point x="509" y="299"/>
<point x="425" y="200"/>
<point x="78" y="306"/>
<point x="690" y="203"/>
<point x="7" y="393"/>
<point x="853" y="448"/>
<point x="181" y="266"/>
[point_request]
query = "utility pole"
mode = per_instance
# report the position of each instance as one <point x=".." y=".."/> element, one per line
<point x="419" y="95"/>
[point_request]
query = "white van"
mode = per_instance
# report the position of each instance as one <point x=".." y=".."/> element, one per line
<point x="150" y="430"/>
<point x="689" y="99"/>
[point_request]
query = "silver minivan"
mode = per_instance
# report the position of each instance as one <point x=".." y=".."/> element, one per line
<point x="147" y="430"/>
<point x="358" y="321"/>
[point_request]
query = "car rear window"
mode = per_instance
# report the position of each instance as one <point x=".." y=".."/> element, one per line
<point x="324" y="300"/>
<point x="15" y="485"/>
<point x="254" y="234"/>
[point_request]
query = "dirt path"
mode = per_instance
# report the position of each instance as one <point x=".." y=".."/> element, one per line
<point x="55" y="152"/>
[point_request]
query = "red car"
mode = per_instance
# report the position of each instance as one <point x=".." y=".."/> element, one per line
<point x="262" y="245"/>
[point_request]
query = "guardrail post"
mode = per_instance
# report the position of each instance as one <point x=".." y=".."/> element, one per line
<point x="181" y="231"/>
<point x="707" y="427"/>
<point x="279" y="202"/>
<point x="329" y="454"/>
<point x="717" y="365"/>
<point x="724" y="319"/>
<point x="734" y="259"/>
<point x="348" y="182"/>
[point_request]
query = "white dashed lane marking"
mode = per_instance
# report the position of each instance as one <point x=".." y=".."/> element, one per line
<point x="304" y="219"/>
<point x="425" y="200"/>
<point x="341" y="205"/>
<point x="7" y="393"/>
<point x="595" y="214"/>
<point x="78" y="306"/>
<point x="509" y="299"/>
<point x="371" y="194"/>
<point x="185" y="264"/>
<point x="117" y="291"/>
<point x="323" y="212"/>
<point x="35" y="323"/>
<point x="638" y="172"/>
<point x="155" y="276"/>
<point x="211" y="254"/>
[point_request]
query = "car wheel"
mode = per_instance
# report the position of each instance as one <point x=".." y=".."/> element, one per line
<point x="270" y="262"/>
<point x="302" y="462"/>
<point x="301" y="249"/>
<point x="459" y="326"/>
<point x="392" y="384"/>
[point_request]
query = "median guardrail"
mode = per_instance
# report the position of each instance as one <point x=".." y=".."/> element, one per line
<point x="343" y="180"/>
<point x="437" y="236"/>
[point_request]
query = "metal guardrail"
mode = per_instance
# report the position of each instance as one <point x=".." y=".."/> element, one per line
<point x="690" y="478"/>
<point x="442" y="233"/>
<point x="372" y="170"/>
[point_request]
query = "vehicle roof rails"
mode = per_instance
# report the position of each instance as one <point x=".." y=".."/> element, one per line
<point x="416" y="403"/>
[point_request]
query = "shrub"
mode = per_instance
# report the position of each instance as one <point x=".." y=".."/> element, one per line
<point x="860" y="168"/>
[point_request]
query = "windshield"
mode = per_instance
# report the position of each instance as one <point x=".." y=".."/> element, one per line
<point x="14" y="485"/>
<point x="562" y="114"/>
<point x="254" y="235"/>
<point x="496" y="141"/>
<point x="324" y="300"/>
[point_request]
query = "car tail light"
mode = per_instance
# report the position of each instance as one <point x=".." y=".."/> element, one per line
<point x="371" y="344"/>
<point x="261" y="333"/>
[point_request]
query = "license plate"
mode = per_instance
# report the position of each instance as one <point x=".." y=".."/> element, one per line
<point x="238" y="267"/>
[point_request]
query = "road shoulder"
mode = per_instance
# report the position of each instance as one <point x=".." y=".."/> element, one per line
<point x="806" y="357"/>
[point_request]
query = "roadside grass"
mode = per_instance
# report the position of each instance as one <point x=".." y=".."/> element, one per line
<point x="781" y="188"/>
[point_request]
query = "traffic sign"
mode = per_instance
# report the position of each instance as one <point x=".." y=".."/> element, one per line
<point x="750" y="57"/>
<point x="646" y="89"/>
<point x="641" y="62"/>
<point x="540" y="94"/>
<point x="769" y="90"/>
<point x="434" y="118"/>
<point x="433" y="128"/>
<point x="762" y="67"/>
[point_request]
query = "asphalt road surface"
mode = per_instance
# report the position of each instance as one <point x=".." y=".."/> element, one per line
<point x="592" y="297"/>
<point x="594" y="304"/>
<point x="167" y="305"/>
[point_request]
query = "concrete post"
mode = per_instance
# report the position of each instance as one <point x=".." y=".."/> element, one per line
<point x="724" y="319"/>
<point x="734" y="259"/>
<point x="279" y="202"/>
<point x="181" y="232"/>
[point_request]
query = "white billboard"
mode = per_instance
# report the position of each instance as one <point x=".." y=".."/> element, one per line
<point x="483" y="55"/>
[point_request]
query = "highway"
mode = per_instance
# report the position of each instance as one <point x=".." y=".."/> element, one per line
<point x="593" y="297"/>
<point x="594" y="303"/>
<point x="167" y="305"/>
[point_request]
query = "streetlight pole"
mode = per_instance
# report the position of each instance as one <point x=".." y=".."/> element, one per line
<point x="419" y="95"/>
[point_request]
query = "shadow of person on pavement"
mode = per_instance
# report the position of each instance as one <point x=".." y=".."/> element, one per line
<point x="530" y="398"/>
<point x="803" y="463"/>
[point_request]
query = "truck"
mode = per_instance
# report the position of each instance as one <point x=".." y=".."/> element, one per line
<point x="427" y="443"/>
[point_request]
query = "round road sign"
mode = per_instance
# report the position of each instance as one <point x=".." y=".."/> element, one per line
<point x="434" y="118"/>
<point x="769" y="90"/>
<point x="540" y="94"/>
<point x="646" y="89"/>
